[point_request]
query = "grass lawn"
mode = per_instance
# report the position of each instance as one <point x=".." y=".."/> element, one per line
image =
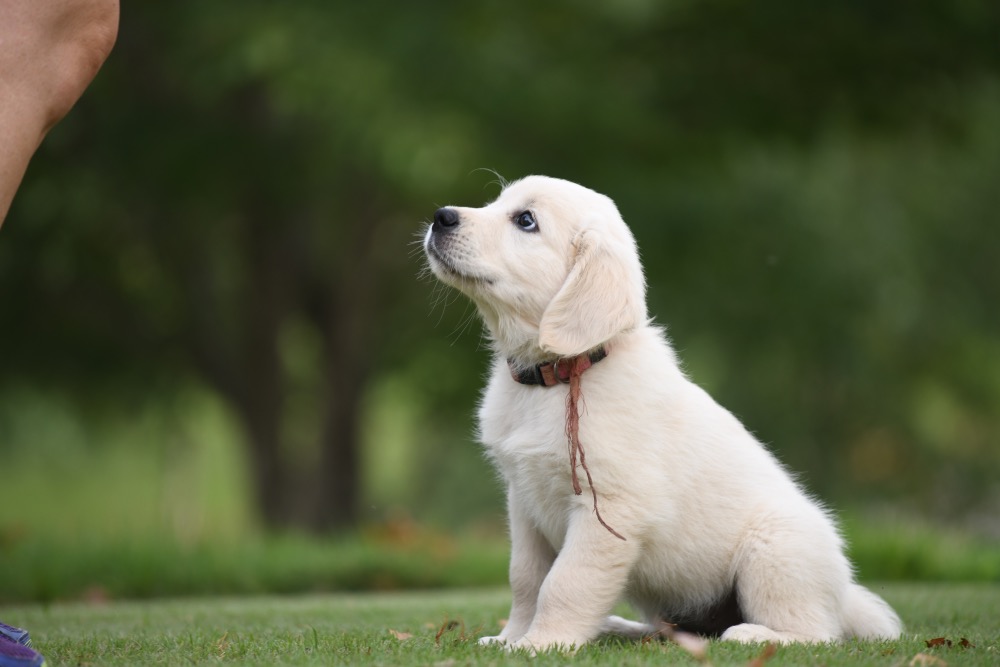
<point x="403" y="629"/>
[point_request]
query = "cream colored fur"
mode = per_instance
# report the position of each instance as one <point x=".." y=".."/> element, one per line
<point x="704" y="507"/>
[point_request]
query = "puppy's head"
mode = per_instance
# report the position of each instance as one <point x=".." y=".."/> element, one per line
<point x="551" y="265"/>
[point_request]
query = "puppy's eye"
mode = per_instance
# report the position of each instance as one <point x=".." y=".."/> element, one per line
<point x="526" y="221"/>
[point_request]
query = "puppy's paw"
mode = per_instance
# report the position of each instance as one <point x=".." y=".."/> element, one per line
<point x="748" y="633"/>
<point x="519" y="646"/>
<point x="487" y="641"/>
<point x="533" y="646"/>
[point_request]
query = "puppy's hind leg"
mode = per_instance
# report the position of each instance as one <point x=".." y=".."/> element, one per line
<point x="790" y="577"/>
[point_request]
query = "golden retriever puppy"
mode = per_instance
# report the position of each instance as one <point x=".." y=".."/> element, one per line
<point x="624" y="479"/>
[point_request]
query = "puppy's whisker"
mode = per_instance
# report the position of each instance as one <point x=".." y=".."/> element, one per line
<point x="441" y="297"/>
<point x="447" y="298"/>
<point x="499" y="180"/>
<point x="484" y="341"/>
<point x="468" y="319"/>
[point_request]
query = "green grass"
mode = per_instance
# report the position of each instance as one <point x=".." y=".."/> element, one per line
<point x="356" y="629"/>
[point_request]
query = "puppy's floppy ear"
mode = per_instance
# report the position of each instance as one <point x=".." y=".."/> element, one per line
<point x="603" y="295"/>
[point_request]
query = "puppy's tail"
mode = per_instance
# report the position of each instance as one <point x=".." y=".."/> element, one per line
<point x="867" y="616"/>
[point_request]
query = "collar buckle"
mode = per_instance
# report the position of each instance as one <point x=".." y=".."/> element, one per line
<point x="557" y="374"/>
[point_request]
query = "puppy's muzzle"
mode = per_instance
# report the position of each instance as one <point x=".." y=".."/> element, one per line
<point x="440" y="240"/>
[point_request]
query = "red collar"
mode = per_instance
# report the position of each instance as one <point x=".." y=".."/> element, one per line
<point x="551" y="373"/>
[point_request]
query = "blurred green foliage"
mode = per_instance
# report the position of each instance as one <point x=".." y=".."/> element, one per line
<point x="210" y="265"/>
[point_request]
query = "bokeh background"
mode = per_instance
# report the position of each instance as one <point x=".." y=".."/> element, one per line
<point x="221" y="369"/>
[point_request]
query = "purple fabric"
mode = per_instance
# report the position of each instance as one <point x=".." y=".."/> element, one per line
<point x="13" y="654"/>
<point x="17" y="634"/>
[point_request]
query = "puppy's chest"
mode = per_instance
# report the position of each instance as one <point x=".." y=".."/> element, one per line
<point x="526" y="439"/>
<point x="526" y="449"/>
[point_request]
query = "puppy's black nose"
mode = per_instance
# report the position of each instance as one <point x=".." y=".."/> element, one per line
<point x="445" y="219"/>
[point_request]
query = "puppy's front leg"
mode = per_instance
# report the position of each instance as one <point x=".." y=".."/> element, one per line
<point x="586" y="580"/>
<point x="531" y="557"/>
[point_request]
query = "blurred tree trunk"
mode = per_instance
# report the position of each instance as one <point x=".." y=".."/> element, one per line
<point x="345" y="319"/>
<point x="260" y="398"/>
<point x="338" y="489"/>
<point x="262" y="425"/>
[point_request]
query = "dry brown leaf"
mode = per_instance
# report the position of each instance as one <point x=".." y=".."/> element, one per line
<point x="695" y="645"/>
<point x="927" y="660"/>
<point x="764" y="656"/>
<point x="965" y="643"/>
<point x="401" y="636"/>
<point x="938" y="641"/>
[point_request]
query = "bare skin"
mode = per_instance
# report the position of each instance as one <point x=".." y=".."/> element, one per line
<point x="50" y="51"/>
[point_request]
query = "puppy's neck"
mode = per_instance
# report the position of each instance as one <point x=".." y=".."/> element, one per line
<point x="527" y="356"/>
<point x="515" y="339"/>
<point x="512" y="336"/>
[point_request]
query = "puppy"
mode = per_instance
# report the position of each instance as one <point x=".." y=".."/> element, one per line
<point x="624" y="479"/>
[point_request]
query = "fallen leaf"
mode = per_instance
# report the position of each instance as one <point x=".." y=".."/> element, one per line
<point x="401" y="636"/>
<point x="693" y="644"/>
<point x="764" y="656"/>
<point x="938" y="641"/>
<point x="927" y="660"/>
<point x="965" y="643"/>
